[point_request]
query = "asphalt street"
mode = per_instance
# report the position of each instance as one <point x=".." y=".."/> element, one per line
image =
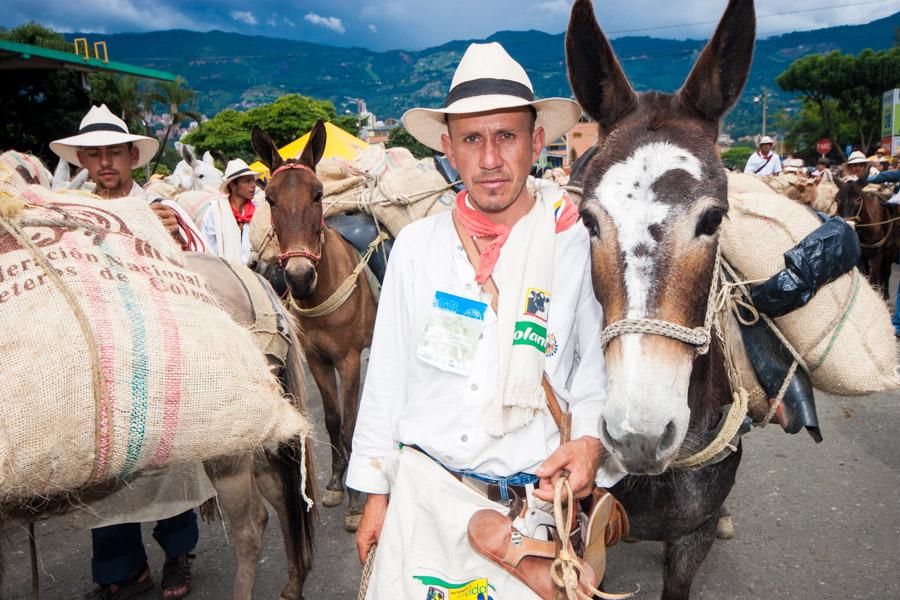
<point x="813" y="521"/>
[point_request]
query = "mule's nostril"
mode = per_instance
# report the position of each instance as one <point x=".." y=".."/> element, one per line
<point x="667" y="440"/>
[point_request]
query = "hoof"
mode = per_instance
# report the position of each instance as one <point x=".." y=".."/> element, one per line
<point x="351" y="522"/>
<point x="725" y="529"/>
<point x="333" y="498"/>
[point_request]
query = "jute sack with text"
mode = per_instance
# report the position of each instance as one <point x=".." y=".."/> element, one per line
<point x="844" y="333"/>
<point x="125" y="359"/>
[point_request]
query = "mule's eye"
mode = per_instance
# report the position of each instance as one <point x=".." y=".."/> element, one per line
<point x="270" y="200"/>
<point x="709" y="222"/>
<point x="318" y="197"/>
<point x="590" y="222"/>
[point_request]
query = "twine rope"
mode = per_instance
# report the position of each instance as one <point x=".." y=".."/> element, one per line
<point x="566" y="570"/>
<point x="367" y="573"/>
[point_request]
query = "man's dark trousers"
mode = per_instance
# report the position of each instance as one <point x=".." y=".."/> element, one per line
<point x="119" y="549"/>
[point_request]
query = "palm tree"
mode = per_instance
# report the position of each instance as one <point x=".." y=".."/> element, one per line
<point x="173" y="95"/>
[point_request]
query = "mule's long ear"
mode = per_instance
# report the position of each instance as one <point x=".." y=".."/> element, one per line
<point x="595" y="74"/>
<point x="265" y="148"/>
<point x="315" y="146"/>
<point x="718" y="77"/>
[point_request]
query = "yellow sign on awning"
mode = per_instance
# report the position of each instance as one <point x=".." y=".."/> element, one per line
<point x="338" y="143"/>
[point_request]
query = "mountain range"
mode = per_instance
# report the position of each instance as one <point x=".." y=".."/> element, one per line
<point x="230" y="70"/>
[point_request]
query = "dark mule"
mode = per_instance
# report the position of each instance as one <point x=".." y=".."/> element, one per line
<point x="655" y="193"/>
<point x="316" y="261"/>
<point x="241" y="481"/>
<point x="879" y="236"/>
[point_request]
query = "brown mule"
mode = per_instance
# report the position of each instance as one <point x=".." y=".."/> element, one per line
<point x="316" y="261"/>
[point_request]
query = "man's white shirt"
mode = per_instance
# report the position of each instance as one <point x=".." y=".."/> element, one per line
<point x="757" y="160"/>
<point x="211" y="234"/>
<point x="407" y="401"/>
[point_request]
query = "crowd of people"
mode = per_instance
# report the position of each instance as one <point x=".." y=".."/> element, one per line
<point x="492" y="130"/>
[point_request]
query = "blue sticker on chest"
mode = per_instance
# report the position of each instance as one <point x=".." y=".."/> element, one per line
<point x="459" y="305"/>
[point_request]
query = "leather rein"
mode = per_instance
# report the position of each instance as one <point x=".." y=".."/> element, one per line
<point x="313" y="257"/>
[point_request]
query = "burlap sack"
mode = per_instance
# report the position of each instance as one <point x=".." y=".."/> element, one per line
<point x="171" y="378"/>
<point x="844" y="334"/>
<point x="739" y="183"/>
<point x="826" y="196"/>
<point x="408" y="194"/>
<point x="195" y="203"/>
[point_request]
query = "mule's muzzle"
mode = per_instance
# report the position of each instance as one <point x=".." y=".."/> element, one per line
<point x="641" y="453"/>
<point x="300" y="277"/>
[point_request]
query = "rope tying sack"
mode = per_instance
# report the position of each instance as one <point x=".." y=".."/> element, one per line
<point x="566" y="570"/>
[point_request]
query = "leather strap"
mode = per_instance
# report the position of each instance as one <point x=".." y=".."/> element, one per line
<point x="562" y="419"/>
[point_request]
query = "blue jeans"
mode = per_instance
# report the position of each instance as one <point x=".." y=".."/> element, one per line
<point x="119" y="549"/>
<point x="895" y="320"/>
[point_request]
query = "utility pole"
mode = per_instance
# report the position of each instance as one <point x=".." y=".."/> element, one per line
<point x="763" y="98"/>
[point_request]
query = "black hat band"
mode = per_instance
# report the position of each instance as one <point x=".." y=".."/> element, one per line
<point x="489" y="87"/>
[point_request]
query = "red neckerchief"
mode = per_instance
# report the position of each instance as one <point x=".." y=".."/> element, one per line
<point x="245" y="215"/>
<point x="478" y="225"/>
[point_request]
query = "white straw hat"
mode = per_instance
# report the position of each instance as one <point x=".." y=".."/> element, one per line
<point x="488" y="78"/>
<point x="856" y="158"/>
<point x="236" y="168"/>
<point x="765" y="140"/>
<point x="100" y="127"/>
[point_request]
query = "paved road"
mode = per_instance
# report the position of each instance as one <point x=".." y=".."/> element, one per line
<point x="813" y="521"/>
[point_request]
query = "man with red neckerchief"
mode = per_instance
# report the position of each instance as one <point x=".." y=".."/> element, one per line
<point x="453" y="418"/>
<point x="226" y="224"/>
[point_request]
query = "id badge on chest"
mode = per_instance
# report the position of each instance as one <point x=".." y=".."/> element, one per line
<point x="452" y="333"/>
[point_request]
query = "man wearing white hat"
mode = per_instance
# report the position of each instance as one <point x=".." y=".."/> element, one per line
<point x="856" y="165"/>
<point x="109" y="152"/>
<point x="104" y="146"/>
<point x="226" y="223"/>
<point x="453" y="417"/>
<point x="764" y="161"/>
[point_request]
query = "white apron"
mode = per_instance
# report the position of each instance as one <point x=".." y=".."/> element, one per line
<point x="423" y="552"/>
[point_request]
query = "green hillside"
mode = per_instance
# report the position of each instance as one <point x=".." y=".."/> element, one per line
<point x="233" y="70"/>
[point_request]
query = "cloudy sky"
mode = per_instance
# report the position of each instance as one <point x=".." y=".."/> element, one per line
<point x="415" y="24"/>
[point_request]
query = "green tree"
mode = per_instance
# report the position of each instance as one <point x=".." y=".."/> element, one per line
<point x="175" y="96"/>
<point x="225" y="135"/>
<point x="401" y="138"/>
<point x="736" y="157"/>
<point x="842" y="95"/>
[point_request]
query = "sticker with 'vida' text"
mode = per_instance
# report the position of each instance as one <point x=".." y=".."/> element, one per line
<point x="474" y="589"/>
<point x="451" y="333"/>
<point x="530" y="334"/>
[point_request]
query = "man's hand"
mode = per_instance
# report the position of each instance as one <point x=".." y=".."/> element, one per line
<point x="581" y="458"/>
<point x="166" y="214"/>
<point x="370" y="525"/>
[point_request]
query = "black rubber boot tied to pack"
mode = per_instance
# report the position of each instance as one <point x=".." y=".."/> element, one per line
<point x="821" y="257"/>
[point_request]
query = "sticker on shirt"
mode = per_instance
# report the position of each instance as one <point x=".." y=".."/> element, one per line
<point x="452" y="333"/>
<point x="537" y="304"/>
<point x="552" y="345"/>
<point x="435" y="594"/>
<point x="530" y="334"/>
<point x="474" y="589"/>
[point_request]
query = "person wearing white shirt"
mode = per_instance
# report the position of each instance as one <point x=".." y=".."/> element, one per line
<point x="763" y="161"/>
<point x="453" y="387"/>
<point x="226" y="222"/>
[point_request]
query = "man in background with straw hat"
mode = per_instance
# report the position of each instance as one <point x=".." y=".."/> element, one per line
<point x="764" y="161"/>
<point x="856" y="165"/>
<point x="226" y="224"/>
<point x="104" y="146"/>
<point x="453" y="418"/>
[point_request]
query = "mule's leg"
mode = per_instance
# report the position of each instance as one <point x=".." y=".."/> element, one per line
<point x="349" y="371"/>
<point x="725" y="528"/>
<point x="684" y="556"/>
<point x="326" y="381"/>
<point x="243" y="506"/>
<point x="273" y="491"/>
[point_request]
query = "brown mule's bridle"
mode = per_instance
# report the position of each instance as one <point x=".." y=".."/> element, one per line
<point x="313" y="257"/>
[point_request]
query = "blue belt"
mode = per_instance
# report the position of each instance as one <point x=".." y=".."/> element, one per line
<point x="504" y="483"/>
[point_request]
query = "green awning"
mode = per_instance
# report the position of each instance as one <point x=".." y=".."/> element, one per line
<point x="24" y="56"/>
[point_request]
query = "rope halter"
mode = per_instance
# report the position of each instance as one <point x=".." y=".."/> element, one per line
<point x="313" y="257"/>
<point x="699" y="337"/>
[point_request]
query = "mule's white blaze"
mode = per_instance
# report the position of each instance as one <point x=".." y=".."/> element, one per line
<point x="626" y="194"/>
